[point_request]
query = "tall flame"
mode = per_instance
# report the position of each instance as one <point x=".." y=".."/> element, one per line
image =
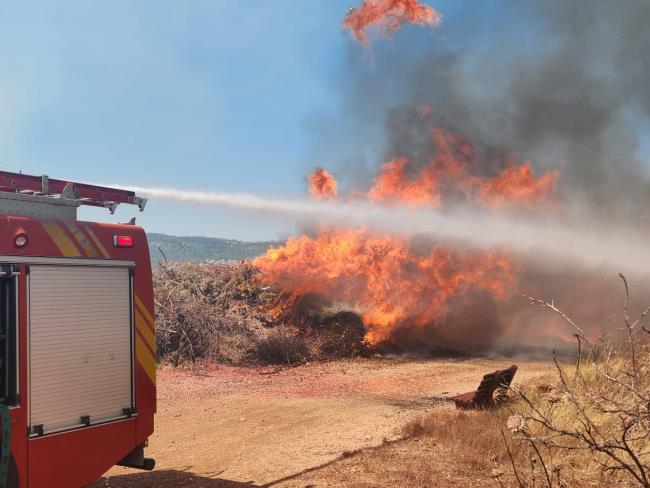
<point x="388" y="16"/>
<point x="393" y="284"/>
<point x="382" y="276"/>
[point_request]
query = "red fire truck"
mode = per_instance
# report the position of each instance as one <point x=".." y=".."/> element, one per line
<point x="77" y="343"/>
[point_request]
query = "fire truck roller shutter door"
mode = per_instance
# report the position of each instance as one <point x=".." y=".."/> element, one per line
<point x="80" y="346"/>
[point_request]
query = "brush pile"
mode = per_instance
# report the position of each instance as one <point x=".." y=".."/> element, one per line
<point x="222" y="313"/>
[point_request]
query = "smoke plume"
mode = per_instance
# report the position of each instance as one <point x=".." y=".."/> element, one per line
<point x="563" y="85"/>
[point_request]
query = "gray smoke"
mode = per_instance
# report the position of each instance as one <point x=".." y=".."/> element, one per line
<point x="564" y="85"/>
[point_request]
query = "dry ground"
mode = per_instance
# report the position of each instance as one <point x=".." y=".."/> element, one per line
<point x="232" y="427"/>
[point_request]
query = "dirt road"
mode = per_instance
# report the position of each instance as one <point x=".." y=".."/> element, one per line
<point x="233" y="427"/>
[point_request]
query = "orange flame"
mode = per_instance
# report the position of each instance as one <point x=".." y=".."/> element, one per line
<point x="393" y="184"/>
<point x="449" y="171"/>
<point x="322" y="184"/>
<point x="383" y="277"/>
<point x="517" y="184"/>
<point x="388" y="16"/>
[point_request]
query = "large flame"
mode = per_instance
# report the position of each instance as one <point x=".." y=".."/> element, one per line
<point x="382" y="277"/>
<point x="391" y="282"/>
<point x="388" y="16"/>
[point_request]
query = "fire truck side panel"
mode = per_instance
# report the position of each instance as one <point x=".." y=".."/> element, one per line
<point x="77" y="458"/>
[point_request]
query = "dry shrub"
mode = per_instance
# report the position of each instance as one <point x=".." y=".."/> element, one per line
<point x="592" y="422"/>
<point x="222" y="313"/>
<point x="281" y="346"/>
<point x="593" y="419"/>
<point x="206" y="312"/>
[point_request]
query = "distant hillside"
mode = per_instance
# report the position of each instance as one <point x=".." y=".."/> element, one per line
<point x="203" y="248"/>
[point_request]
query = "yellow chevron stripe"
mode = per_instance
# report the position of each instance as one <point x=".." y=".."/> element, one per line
<point x="146" y="360"/>
<point x="61" y="240"/>
<point x="145" y="330"/>
<point x="145" y="311"/>
<point x="98" y="243"/>
<point x="83" y="240"/>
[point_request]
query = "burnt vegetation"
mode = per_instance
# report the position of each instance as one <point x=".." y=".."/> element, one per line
<point x="223" y="313"/>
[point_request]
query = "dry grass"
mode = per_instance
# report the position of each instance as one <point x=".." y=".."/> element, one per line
<point x="444" y="449"/>
<point x="474" y="447"/>
<point x="595" y="414"/>
<point x="448" y="448"/>
<point x="474" y="438"/>
<point x="592" y="423"/>
<point x="565" y="430"/>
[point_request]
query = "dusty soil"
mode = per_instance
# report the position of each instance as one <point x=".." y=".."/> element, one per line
<point x="231" y="427"/>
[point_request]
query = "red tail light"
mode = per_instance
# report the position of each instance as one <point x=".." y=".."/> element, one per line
<point x="122" y="241"/>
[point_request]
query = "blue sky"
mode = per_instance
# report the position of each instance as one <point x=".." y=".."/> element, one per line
<point x="202" y="94"/>
<point x="214" y="95"/>
<point x="217" y="95"/>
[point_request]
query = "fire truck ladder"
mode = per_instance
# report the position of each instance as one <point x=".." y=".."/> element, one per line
<point x="96" y="196"/>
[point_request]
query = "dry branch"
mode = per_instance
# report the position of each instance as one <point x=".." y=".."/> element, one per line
<point x="605" y="410"/>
